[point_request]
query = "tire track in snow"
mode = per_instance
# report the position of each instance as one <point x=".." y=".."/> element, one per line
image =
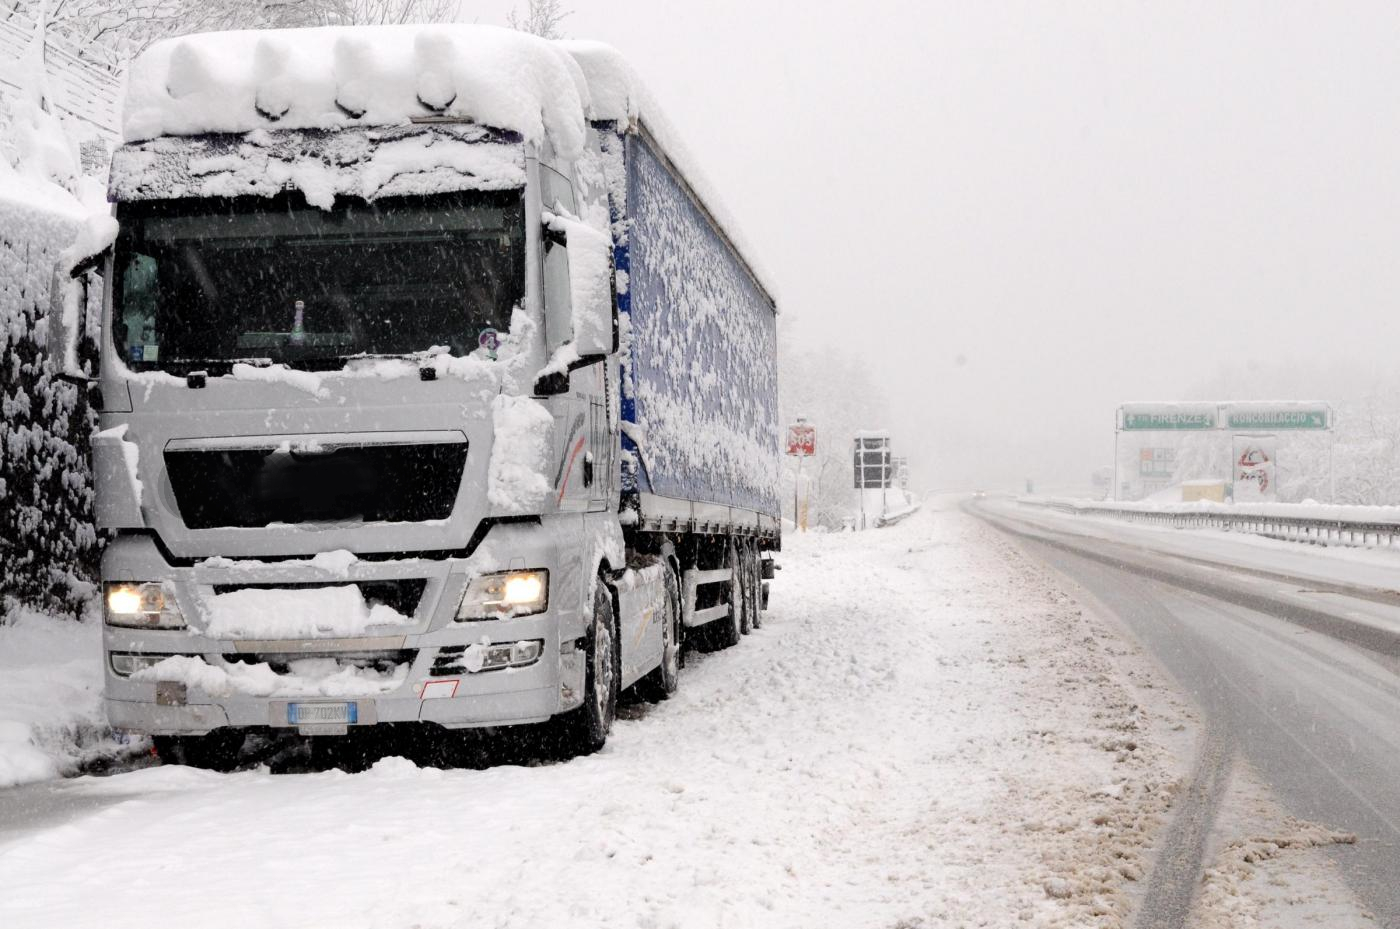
<point x="1180" y="860"/>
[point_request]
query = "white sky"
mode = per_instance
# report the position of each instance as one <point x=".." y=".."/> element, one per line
<point x="1022" y="214"/>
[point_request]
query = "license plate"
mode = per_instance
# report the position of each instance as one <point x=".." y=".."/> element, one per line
<point x="303" y="714"/>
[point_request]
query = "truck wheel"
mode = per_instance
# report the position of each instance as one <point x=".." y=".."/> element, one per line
<point x="586" y="728"/>
<point x="727" y="631"/>
<point x="753" y="587"/>
<point x="665" y="678"/>
<point x="739" y="593"/>
<point x="217" y="751"/>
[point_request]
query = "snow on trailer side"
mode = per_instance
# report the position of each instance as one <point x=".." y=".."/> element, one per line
<point x="700" y="370"/>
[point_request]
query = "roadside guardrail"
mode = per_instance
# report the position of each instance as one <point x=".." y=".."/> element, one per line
<point x="1365" y="530"/>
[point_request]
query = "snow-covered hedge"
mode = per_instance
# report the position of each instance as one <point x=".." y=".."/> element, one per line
<point x="48" y="546"/>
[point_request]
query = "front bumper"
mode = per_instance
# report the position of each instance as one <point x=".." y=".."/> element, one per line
<point x="436" y="689"/>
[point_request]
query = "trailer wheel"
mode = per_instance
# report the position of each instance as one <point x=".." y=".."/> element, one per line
<point x="217" y="751"/>
<point x="665" y="678"/>
<point x="742" y="600"/>
<point x="585" y="729"/>
<point x="729" y="630"/>
<point x="753" y="586"/>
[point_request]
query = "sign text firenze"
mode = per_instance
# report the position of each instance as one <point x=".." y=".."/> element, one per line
<point x="1161" y="417"/>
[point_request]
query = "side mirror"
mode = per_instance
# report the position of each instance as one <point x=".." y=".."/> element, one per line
<point x="66" y="312"/>
<point x="579" y="293"/>
<point x="68" y="292"/>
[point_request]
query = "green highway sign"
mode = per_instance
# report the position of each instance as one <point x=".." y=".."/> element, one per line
<point x="1170" y="420"/>
<point x="1278" y="418"/>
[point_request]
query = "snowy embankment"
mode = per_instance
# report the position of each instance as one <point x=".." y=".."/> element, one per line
<point x="924" y="732"/>
<point x="51" y="716"/>
<point x="1328" y="563"/>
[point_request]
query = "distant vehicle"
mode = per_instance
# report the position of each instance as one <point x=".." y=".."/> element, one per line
<point x="415" y="417"/>
<point x="978" y="494"/>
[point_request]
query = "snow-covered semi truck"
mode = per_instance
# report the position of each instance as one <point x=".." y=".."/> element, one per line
<point x="433" y="389"/>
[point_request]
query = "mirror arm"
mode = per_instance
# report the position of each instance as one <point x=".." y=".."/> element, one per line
<point x="586" y="361"/>
<point x="553" y="237"/>
<point x="552" y="384"/>
<point x="90" y="263"/>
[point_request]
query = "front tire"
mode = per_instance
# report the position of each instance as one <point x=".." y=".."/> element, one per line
<point x="585" y="730"/>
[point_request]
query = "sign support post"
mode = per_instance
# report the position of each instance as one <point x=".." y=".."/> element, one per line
<point x="801" y="443"/>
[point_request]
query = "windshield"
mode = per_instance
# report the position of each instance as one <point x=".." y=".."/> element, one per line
<point x="272" y="280"/>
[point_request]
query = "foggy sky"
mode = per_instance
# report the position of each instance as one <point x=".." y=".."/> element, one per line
<point x="1022" y="214"/>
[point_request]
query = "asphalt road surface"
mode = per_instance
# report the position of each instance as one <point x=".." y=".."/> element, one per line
<point x="1300" y="680"/>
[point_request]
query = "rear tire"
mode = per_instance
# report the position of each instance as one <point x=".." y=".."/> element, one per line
<point x="585" y="730"/>
<point x="665" y="678"/>
<point x="728" y="630"/>
<point x="753" y="586"/>
<point x="739" y="556"/>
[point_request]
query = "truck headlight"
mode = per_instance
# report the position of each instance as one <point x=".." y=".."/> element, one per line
<point x="141" y="606"/>
<point x="500" y="596"/>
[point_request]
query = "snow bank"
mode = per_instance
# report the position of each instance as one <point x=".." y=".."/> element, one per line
<point x="51" y="715"/>
<point x="292" y="613"/>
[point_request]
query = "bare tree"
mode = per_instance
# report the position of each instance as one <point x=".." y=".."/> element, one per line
<point x="108" y="31"/>
<point x="385" y="12"/>
<point x="543" y="18"/>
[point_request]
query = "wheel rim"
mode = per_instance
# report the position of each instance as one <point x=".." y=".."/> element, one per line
<point x="751" y="590"/>
<point x="670" y="638"/>
<point x="738" y="608"/>
<point x="602" y="670"/>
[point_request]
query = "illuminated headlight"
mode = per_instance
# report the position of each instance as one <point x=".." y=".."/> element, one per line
<point x="499" y="596"/>
<point x="141" y="606"/>
<point x="125" y="664"/>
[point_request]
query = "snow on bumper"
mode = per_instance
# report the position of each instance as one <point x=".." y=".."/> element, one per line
<point x="426" y="669"/>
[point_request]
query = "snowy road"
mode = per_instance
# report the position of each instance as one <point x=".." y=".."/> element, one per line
<point x="1300" y="682"/>
<point x="926" y="732"/>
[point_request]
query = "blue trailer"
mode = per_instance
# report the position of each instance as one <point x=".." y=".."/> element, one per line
<point x="700" y="376"/>
<point x="699" y="383"/>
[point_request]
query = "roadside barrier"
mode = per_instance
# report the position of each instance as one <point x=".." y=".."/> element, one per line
<point x="1365" y="531"/>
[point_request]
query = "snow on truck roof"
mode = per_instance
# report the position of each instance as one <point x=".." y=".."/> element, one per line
<point x="339" y="77"/>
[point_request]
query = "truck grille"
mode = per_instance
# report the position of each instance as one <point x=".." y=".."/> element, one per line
<point x="402" y="596"/>
<point x="250" y="488"/>
<point x="382" y="662"/>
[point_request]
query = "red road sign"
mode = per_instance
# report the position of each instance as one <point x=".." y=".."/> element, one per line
<point x="802" y="439"/>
